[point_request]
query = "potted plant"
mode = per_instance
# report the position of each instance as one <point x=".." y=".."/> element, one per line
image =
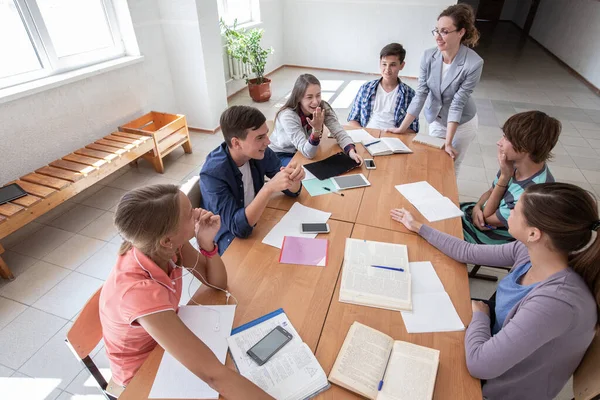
<point x="244" y="45"/>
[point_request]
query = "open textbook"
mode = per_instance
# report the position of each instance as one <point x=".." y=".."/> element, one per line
<point x="371" y="275"/>
<point x="408" y="371"/>
<point x="385" y="146"/>
<point x="292" y="374"/>
<point x="430" y="203"/>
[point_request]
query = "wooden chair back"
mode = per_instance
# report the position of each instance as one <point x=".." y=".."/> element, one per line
<point x="586" y="379"/>
<point x="84" y="336"/>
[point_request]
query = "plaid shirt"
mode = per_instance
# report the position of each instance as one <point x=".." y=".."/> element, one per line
<point x="365" y="98"/>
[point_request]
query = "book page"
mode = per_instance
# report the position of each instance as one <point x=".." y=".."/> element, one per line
<point x="396" y="145"/>
<point x="411" y="373"/>
<point x="376" y="286"/>
<point x="429" y="141"/>
<point x="438" y="209"/>
<point x="377" y="149"/>
<point x="360" y="135"/>
<point x="418" y="192"/>
<point x="361" y="361"/>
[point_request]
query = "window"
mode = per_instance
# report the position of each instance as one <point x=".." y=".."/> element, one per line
<point x="41" y="38"/>
<point x="244" y="11"/>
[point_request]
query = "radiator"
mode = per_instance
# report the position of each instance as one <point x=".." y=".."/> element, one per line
<point x="237" y="69"/>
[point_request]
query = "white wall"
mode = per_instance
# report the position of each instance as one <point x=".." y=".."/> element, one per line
<point x="271" y="16"/>
<point x="43" y="127"/>
<point x="570" y="29"/>
<point x="348" y="34"/>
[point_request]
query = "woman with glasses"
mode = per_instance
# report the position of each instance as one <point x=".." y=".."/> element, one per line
<point x="448" y="75"/>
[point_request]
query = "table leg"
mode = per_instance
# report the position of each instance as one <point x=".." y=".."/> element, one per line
<point x="5" y="272"/>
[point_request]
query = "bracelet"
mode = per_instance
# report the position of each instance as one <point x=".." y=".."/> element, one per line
<point x="316" y="131"/>
<point x="210" y="254"/>
<point x="504" y="186"/>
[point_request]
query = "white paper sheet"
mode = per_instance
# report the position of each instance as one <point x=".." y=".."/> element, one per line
<point x="212" y="324"/>
<point x="290" y="223"/>
<point x="429" y="201"/>
<point x="358" y="135"/>
<point x="308" y="175"/>
<point x="418" y="192"/>
<point x="432" y="309"/>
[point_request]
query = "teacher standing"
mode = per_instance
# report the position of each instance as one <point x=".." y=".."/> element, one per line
<point x="448" y="75"/>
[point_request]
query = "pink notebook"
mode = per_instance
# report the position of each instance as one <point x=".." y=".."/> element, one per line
<point x="304" y="251"/>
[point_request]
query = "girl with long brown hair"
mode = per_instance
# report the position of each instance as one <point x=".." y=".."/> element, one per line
<point x="140" y="298"/>
<point x="545" y="312"/>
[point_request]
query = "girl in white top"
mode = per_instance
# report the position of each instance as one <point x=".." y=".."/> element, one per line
<point x="299" y="123"/>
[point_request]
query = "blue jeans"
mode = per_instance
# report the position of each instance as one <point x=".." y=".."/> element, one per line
<point x="285" y="158"/>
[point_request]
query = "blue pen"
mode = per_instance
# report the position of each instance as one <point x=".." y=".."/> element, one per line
<point x="368" y="144"/>
<point x="490" y="226"/>
<point x="386" y="365"/>
<point x="390" y="268"/>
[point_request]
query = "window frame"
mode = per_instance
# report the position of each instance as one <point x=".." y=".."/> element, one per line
<point x="50" y="63"/>
<point x="254" y="13"/>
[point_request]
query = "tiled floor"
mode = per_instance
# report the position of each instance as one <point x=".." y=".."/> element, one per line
<point x="64" y="256"/>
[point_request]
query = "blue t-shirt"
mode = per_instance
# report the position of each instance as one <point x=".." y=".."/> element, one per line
<point x="509" y="293"/>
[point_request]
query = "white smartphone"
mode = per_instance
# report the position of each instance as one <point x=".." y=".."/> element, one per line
<point x="315" y="228"/>
<point x="369" y="163"/>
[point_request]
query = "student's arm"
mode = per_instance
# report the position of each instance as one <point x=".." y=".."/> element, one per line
<point x="477" y="213"/>
<point x="176" y="338"/>
<point x="354" y="116"/>
<point x="296" y="134"/>
<point x="539" y="320"/>
<point x="336" y="129"/>
<point x="272" y="165"/>
<point x="218" y="198"/>
<point x="507" y="171"/>
<point x="355" y="124"/>
<point x="418" y="101"/>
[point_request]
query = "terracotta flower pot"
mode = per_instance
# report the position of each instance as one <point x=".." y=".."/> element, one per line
<point x="260" y="92"/>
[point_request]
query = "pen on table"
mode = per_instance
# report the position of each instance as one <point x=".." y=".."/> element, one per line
<point x="389" y="268"/>
<point x="331" y="191"/>
<point x="368" y="144"/>
<point x="386" y="365"/>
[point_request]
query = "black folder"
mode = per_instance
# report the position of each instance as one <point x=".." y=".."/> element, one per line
<point x="332" y="166"/>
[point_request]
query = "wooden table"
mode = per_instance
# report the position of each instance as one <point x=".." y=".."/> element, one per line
<point x="341" y="208"/>
<point x="261" y="285"/>
<point x="453" y="379"/>
<point x="424" y="164"/>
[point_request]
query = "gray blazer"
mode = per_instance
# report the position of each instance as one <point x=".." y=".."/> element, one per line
<point x="449" y="100"/>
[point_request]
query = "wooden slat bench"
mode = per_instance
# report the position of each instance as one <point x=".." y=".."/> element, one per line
<point x="51" y="185"/>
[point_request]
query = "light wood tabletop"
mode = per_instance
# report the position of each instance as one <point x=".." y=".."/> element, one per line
<point x="424" y="164"/>
<point x="341" y="208"/>
<point x="261" y="285"/>
<point x="453" y="379"/>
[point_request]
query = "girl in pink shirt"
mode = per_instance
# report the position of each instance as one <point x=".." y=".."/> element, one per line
<point x="140" y="298"/>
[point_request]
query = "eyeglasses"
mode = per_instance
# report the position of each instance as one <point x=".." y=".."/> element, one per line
<point x="442" y="33"/>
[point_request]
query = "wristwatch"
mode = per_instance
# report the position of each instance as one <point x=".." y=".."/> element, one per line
<point x="210" y="254"/>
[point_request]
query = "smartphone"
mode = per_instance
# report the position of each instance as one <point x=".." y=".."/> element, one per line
<point x="369" y="163"/>
<point x="268" y="346"/>
<point x="11" y="192"/>
<point x="315" y="228"/>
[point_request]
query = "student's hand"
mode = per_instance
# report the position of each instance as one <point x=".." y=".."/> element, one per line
<point x="354" y="155"/>
<point x="478" y="218"/>
<point x="507" y="168"/>
<point x="317" y="120"/>
<point x="281" y="181"/>
<point x="450" y="150"/>
<point x="206" y="226"/>
<point x="393" y="130"/>
<point x="480" y="306"/>
<point x="406" y="218"/>
<point x="296" y="172"/>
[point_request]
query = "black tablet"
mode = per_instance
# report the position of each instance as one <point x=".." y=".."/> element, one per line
<point x="11" y="192"/>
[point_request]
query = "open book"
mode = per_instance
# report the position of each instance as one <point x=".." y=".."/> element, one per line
<point x="385" y="146"/>
<point x="371" y="275"/>
<point x="408" y="371"/>
<point x="292" y="374"/>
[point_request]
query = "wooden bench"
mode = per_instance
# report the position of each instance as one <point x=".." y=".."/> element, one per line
<point x="51" y="185"/>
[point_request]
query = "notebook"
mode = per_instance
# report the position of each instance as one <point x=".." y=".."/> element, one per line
<point x="432" y="141"/>
<point x="332" y="166"/>
<point x="432" y="310"/>
<point x="368" y="357"/>
<point x="290" y="224"/>
<point x="292" y="374"/>
<point x="430" y="203"/>
<point x="366" y="285"/>
<point x="386" y="146"/>
<point x="304" y="251"/>
<point x="212" y="324"/>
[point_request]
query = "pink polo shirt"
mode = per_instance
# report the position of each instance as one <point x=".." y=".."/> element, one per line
<point x="134" y="288"/>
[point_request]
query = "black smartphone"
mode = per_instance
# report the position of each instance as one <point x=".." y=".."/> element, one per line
<point x="268" y="346"/>
<point x="11" y="192"/>
<point x="314" y="228"/>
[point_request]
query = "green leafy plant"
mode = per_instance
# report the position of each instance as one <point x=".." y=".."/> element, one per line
<point x="244" y="45"/>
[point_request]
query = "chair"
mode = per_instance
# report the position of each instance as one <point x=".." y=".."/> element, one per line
<point x="586" y="379"/>
<point x="84" y="336"/>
